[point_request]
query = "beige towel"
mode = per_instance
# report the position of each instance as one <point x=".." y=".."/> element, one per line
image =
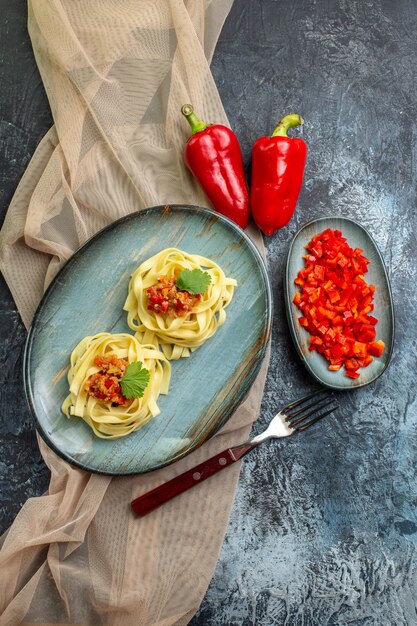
<point x="116" y="73"/>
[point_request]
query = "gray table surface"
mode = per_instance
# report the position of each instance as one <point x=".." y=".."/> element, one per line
<point x="323" y="529"/>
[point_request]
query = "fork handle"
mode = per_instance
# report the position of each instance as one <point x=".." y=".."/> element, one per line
<point x="153" y="499"/>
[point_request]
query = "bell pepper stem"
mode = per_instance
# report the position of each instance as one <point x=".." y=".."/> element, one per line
<point x="287" y="122"/>
<point x="194" y="121"/>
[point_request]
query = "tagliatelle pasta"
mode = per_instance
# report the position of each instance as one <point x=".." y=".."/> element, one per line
<point x="177" y="336"/>
<point x="109" y="420"/>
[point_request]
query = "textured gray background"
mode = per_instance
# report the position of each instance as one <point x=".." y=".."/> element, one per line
<point x="324" y="527"/>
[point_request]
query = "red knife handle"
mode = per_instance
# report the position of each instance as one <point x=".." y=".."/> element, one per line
<point x="151" y="500"/>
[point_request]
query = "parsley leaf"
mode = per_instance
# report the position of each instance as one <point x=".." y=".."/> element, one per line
<point x="134" y="381"/>
<point x="193" y="281"/>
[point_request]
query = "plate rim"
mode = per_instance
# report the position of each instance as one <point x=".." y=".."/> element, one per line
<point x="290" y="318"/>
<point x="138" y="214"/>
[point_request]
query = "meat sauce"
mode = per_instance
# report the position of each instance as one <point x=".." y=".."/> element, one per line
<point x="165" y="297"/>
<point x="105" y="384"/>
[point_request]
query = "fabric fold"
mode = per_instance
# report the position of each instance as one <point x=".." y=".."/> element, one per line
<point x="116" y="75"/>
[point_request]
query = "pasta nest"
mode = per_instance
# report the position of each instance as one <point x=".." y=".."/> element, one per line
<point x="177" y="336"/>
<point x="106" y="420"/>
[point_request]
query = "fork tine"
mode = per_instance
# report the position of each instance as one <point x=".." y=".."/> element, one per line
<point x="301" y="400"/>
<point x="315" y="419"/>
<point x="322" y="405"/>
<point x="317" y="405"/>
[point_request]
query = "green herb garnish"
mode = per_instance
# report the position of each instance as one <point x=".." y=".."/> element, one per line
<point x="134" y="381"/>
<point x="193" y="281"/>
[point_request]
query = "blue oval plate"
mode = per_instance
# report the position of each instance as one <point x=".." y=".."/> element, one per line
<point x="316" y="364"/>
<point x="87" y="297"/>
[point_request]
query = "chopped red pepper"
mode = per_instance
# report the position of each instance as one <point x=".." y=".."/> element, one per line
<point x="376" y="348"/>
<point x="336" y="301"/>
<point x="352" y="374"/>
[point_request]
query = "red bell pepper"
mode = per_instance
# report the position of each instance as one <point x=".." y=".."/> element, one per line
<point x="214" y="157"/>
<point x="277" y="174"/>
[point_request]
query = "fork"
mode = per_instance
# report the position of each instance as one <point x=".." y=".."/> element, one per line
<point x="294" y="418"/>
